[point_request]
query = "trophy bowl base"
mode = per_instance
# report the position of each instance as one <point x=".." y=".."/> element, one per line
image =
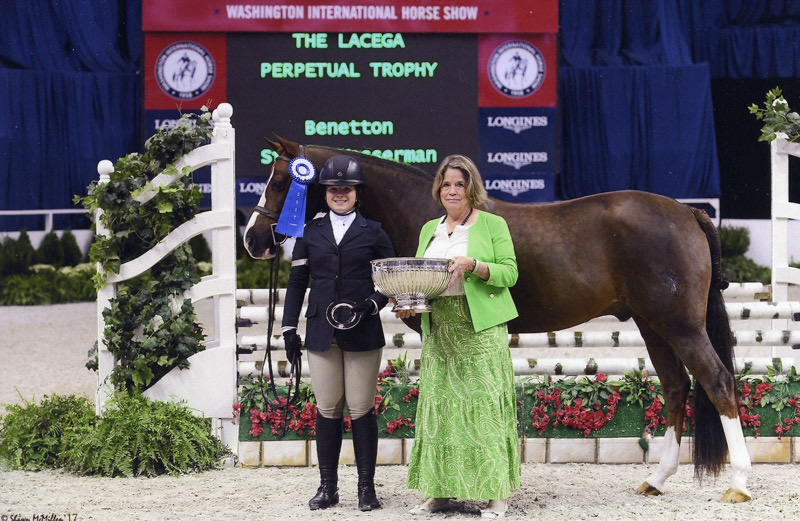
<point x="416" y="303"/>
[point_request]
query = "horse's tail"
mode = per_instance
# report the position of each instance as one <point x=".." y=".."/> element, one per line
<point x="710" y="447"/>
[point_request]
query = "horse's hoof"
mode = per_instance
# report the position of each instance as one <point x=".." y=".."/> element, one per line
<point x="733" y="495"/>
<point x="648" y="490"/>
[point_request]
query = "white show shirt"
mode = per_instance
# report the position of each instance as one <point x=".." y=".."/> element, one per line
<point x="444" y="247"/>
<point x="340" y="224"/>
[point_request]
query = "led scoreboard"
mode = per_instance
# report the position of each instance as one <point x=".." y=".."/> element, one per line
<point x="405" y="97"/>
<point x="407" y="82"/>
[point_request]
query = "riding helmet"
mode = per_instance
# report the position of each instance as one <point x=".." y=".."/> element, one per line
<point x="341" y="171"/>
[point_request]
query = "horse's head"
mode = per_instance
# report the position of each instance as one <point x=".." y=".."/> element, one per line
<point x="260" y="239"/>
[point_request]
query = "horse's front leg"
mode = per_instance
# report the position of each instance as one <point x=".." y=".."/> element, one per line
<point x="667" y="466"/>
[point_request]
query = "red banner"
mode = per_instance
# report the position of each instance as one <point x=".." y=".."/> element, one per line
<point x="517" y="70"/>
<point x="452" y="16"/>
<point x="184" y="71"/>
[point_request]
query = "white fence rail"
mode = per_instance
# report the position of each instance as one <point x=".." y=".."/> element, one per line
<point x="782" y="212"/>
<point x="210" y="385"/>
<point x="745" y="306"/>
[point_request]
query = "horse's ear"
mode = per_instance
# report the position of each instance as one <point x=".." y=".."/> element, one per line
<point x="292" y="149"/>
<point x="273" y="145"/>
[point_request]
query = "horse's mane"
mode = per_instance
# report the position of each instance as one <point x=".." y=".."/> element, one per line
<point x="373" y="160"/>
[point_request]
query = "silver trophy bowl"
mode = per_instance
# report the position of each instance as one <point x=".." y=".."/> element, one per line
<point x="411" y="281"/>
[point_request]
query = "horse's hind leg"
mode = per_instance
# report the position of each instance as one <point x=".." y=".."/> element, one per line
<point x="698" y="355"/>
<point x="675" y="386"/>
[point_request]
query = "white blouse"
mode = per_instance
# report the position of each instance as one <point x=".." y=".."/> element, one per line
<point x="444" y="247"/>
<point x="340" y="225"/>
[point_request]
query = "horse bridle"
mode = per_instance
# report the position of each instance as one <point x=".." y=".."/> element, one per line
<point x="266" y="212"/>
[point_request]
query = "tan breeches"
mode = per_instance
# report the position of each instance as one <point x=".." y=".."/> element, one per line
<point x="340" y="377"/>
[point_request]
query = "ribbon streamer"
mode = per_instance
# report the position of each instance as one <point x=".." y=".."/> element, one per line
<point x="293" y="215"/>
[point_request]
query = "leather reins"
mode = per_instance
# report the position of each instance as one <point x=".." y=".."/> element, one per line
<point x="272" y="300"/>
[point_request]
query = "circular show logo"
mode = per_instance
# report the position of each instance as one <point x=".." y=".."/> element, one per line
<point x="516" y="68"/>
<point x="185" y="70"/>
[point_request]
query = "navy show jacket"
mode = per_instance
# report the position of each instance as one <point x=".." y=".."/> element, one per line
<point x="340" y="271"/>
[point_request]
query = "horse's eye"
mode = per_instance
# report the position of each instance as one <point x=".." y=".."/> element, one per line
<point x="278" y="186"/>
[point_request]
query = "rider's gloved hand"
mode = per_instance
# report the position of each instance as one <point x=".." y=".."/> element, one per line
<point x="293" y="345"/>
<point x="366" y="307"/>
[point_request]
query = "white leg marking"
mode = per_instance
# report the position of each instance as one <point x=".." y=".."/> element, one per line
<point x="740" y="459"/>
<point x="670" y="458"/>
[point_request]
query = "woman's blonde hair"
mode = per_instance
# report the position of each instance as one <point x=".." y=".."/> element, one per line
<point x="475" y="192"/>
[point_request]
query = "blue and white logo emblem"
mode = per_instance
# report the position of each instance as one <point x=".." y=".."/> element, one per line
<point x="185" y="70"/>
<point x="516" y="68"/>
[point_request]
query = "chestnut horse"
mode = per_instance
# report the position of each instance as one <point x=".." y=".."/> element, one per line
<point x="629" y="254"/>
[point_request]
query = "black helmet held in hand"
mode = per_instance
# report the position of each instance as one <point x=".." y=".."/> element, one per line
<point x="341" y="171"/>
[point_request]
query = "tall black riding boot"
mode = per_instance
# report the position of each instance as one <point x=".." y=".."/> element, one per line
<point x="329" y="444"/>
<point x="365" y="446"/>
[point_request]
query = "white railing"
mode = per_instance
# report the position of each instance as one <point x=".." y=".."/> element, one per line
<point x="48" y="215"/>
<point x="577" y="350"/>
<point x="782" y="212"/>
<point x="210" y="385"/>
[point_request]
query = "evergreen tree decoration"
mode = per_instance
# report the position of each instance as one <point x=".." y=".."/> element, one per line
<point x="72" y="252"/>
<point x="18" y="255"/>
<point x="50" y="251"/>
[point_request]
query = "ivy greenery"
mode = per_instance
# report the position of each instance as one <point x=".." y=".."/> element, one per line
<point x="779" y="121"/>
<point x="149" y="327"/>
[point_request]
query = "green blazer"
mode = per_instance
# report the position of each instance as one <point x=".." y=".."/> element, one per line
<point x="489" y="241"/>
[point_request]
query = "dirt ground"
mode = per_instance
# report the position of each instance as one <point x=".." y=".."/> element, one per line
<point x="43" y="349"/>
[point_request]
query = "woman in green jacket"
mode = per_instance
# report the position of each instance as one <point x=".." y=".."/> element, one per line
<point x="466" y="443"/>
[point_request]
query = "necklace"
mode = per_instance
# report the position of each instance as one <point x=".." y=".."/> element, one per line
<point x="450" y="234"/>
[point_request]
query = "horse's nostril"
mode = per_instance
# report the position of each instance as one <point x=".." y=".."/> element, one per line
<point x="248" y="240"/>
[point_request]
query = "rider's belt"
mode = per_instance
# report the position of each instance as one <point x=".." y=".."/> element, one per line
<point x="299" y="262"/>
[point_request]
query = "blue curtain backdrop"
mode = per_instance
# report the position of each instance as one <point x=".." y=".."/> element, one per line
<point x="70" y="95"/>
<point x="644" y="128"/>
<point x="635" y="87"/>
<point x="637" y="112"/>
<point x="745" y="39"/>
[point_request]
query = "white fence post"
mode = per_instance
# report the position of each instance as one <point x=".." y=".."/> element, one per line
<point x="223" y="258"/>
<point x="782" y="212"/>
<point x="105" y="359"/>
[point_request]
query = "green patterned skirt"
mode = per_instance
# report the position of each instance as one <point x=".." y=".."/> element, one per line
<point x="466" y="443"/>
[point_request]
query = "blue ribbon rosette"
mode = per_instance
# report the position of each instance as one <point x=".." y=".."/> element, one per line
<point x="293" y="215"/>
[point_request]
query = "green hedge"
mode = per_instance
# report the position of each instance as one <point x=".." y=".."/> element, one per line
<point x="44" y="284"/>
